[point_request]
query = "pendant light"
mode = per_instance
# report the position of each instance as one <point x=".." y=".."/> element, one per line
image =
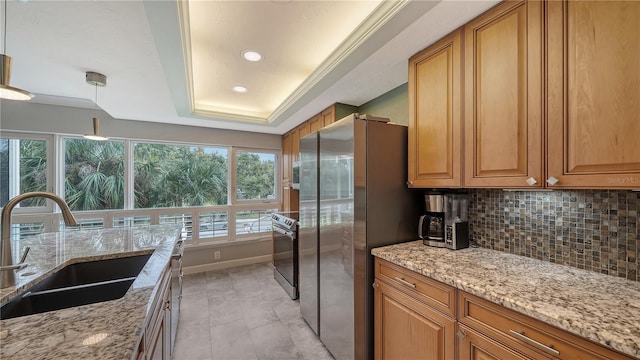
<point x="96" y="79"/>
<point x="7" y="91"/>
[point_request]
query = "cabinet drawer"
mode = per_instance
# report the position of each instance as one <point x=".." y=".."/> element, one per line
<point x="516" y="330"/>
<point x="438" y="295"/>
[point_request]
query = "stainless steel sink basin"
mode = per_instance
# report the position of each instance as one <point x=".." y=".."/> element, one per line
<point x="77" y="284"/>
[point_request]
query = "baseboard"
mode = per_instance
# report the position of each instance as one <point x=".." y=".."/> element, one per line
<point x="225" y="264"/>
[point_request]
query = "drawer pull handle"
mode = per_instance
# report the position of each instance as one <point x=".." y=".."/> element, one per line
<point x="405" y="282"/>
<point x="522" y="336"/>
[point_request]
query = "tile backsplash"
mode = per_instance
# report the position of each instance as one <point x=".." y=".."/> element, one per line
<point x="595" y="230"/>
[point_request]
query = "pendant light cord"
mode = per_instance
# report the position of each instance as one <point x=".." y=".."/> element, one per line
<point x="4" y="43"/>
<point x="95" y="104"/>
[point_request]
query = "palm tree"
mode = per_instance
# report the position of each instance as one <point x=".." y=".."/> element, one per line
<point x="94" y="174"/>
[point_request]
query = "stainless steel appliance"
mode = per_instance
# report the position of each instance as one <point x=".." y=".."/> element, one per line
<point x="285" y="251"/>
<point x="353" y="197"/>
<point x="456" y="221"/>
<point x="431" y="225"/>
<point x="445" y="223"/>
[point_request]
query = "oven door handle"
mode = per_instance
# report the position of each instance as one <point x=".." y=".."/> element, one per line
<point x="284" y="232"/>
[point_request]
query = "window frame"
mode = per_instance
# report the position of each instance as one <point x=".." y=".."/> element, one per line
<point x="49" y="140"/>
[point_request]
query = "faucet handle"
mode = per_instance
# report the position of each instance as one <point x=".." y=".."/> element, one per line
<point x="24" y="255"/>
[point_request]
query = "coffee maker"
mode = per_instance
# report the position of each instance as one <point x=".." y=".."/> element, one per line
<point x="446" y="220"/>
<point x="431" y="225"/>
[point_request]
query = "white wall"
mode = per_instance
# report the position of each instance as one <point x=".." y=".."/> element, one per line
<point x="44" y="118"/>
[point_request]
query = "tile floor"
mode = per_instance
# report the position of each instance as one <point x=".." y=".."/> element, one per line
<point x="242" y="313"/>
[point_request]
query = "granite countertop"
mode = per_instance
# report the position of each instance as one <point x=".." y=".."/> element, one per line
<point x="106" y="330"/>
<point x="601" y="308"/>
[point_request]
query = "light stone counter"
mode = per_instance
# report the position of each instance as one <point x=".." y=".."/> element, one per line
<point x="72" y="333"/>
<point x="602" y="308"/>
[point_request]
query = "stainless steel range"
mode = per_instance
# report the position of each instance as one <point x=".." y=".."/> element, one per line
<point x="285" y="251"/>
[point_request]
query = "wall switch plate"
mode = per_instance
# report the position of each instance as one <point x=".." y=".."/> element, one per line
<point x="216" y="255"/>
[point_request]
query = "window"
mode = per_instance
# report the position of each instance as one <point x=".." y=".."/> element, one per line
<point x="216" y="193"/>
<point x="179" y="175"/>
<point x="253" y="221"/>
<point x="94" y="174"/>
<point x="23" y="168"/>
<point x="255" y="175"/>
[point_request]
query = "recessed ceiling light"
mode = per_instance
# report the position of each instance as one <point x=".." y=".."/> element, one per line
<point x="251" y="55"/>
<point x="240" y="89"/>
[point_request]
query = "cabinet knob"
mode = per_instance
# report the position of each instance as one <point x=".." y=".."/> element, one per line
<point x="410" y="183"/>
<point x="552" y="181"/>
<point x="375" y="285"/>
<point x="532" y="181"/>
<point x="461" y="334"/>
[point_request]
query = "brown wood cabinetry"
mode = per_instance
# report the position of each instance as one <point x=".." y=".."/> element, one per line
<point x="407" y="326"/>
<point x="329" y="116"/>
<point x="593" y="94"/>
<point x="551" y="99"/>
<point x="315" y="123"/>
<point x="435" y="114"/>
<point x="475" y="346"/>
<point x="522" y="334"/>
<point x="416" y="316"/>
<point x="504" y="96"/>
<point x="287" y="159"/>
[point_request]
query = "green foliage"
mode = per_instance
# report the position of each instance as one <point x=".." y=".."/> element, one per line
<point x="94" y="174"/>
<point x="174" y="176"/>
<point x="164" y="175"/>
<point x="255" y="178"/>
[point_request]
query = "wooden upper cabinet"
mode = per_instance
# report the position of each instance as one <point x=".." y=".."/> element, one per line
<point x="295" y="145"/>
<point x="435" y="122"/>
<point x="594" y="94"/>
<point x="315" y="123"/>
<point x="328" y="116"/>
<point x="504" y="97"/>
<point x="287" y="153"/>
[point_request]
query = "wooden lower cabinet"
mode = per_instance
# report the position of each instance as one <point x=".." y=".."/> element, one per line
<point x="408" y="329"/>
<point x="416" y="317"/>
<point x="524" y="334"/>
<point x="475" y="346"/>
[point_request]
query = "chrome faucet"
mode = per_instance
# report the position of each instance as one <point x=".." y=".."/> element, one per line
<point x="7" y="268"/>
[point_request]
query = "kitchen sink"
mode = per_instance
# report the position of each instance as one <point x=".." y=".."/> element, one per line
<point x="77" y="284"/>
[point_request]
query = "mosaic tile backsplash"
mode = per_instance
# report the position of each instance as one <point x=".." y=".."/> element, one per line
<point x="595" y="230"/>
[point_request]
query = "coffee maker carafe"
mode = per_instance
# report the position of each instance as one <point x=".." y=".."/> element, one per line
<point x="431" y="228"/>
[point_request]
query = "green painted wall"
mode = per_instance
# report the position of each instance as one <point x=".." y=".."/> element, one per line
<point x="393" y="104"/>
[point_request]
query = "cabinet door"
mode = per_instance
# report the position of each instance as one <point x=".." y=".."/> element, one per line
<point x="407" y="329"/>
<point x="295" y="145"/>
<point x="503" y="97"/>
<point x="435" y="122"/>
<point x="474" y="346"/>
<point x="594" y="94"/>
<point x="328" y="116"/>
<point x="287" y="153"/>
<point x="315" y="123"/>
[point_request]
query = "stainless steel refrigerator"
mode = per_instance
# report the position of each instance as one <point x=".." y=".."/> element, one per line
<point x="353" y="197"/>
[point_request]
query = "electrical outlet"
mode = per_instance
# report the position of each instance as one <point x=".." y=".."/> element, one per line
<point x="216" y="255"/>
